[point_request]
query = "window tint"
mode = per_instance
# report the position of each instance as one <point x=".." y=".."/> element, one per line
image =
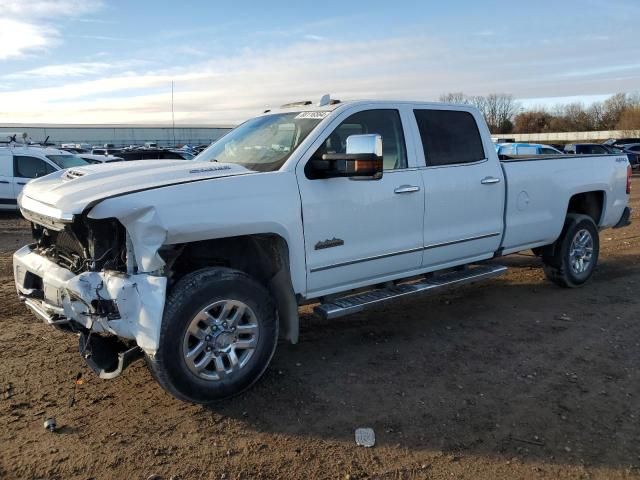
<point x="592" y="150"/>
<point x="548" y="151"/>
<point x="31" y="167"/>
<point x="449" y="137"/>
<point x="635" y="149"/>
<point x="67" y="161"/>
<point x="385" y="123"/>
<point x="169" y="156"/>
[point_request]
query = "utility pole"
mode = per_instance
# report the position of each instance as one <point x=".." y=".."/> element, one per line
<point x="173" y="121"/>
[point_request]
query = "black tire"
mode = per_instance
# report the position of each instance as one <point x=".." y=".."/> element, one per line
<point x="189" y="296"/>
<point x="558" y="266"/>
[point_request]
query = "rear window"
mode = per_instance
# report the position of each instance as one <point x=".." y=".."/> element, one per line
<point x="449" y="137"/>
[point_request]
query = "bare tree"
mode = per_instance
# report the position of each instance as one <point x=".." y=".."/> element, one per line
<point x="630" y="121"/>
<point x="613" y="108"/>
<point x="577" y="119"/>
<point x="454" y="97"/>
<point x="532" y="122"/>
<point x="498" y="109"/>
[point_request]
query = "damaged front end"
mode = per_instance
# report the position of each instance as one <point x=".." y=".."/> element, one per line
<point x="80" y="276"/>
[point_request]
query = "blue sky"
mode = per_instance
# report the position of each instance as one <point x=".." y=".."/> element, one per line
<point x="102" y="61"/>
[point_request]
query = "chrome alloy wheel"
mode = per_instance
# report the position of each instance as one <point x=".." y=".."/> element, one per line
<point x="581" y="251"/>
<point x="220" y="339"/>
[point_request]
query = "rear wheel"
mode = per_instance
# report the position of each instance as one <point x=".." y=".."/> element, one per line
<point x="219" y="332"/>
<point x="575" y="254"/>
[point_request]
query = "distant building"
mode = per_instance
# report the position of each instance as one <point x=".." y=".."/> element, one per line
<point x="118" y="134"/>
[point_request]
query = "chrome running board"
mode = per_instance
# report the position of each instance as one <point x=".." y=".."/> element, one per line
<point x="342" y="306"/>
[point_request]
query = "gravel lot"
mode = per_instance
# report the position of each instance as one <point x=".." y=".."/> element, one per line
<point x="513" y="378"/>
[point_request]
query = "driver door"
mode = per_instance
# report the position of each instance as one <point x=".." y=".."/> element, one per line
<point x="358" y="231"/>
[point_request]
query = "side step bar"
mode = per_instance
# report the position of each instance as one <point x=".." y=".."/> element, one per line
<point x="342" y="306"/>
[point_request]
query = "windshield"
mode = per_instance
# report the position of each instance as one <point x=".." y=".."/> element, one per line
<point x="67" y="161"/>
<point x="263" y="143"/>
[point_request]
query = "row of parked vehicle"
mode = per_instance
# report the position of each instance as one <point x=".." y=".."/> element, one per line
<point x="108" y="153"/>
<point x="628" y="146"/>
<point x="21" y="162"/>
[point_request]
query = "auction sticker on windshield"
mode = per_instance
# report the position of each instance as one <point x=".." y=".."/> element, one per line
<point x="316" y="115"/>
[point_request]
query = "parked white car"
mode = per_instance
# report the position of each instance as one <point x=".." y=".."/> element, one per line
<point x="22" y="163"/>
<point x="201" y="265"/>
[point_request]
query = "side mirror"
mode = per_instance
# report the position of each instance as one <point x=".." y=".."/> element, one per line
<point x="363" y="159"/>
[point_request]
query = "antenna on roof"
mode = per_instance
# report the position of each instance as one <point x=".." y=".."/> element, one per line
<point x="325" y="100"/>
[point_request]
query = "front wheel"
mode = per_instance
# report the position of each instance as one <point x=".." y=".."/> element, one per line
<point x="576" y="252"/>
<point x="219" y="332"/>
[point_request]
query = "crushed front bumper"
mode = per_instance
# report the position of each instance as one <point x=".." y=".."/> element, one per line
<point x="108" y="302"/>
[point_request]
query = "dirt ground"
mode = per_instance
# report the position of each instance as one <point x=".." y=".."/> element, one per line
<point x="513" y="378"/>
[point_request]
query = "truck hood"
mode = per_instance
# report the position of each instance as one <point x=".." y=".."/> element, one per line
<point x="70" y="191"/>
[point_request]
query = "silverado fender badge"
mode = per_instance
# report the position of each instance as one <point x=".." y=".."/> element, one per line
<point x="334" y="242"/>
<point x="210" y="169"/>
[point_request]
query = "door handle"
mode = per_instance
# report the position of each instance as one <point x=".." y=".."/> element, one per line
<point x="407" y="189"/>
<point x="4" y="181"/>
<point x="489" y="180"/>
<point x="22" y="183"/>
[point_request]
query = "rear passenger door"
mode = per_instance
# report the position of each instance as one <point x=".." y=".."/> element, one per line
<point x="26" y="168"/>
<point x="464" y="188"/>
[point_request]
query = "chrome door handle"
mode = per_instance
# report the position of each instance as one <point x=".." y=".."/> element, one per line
<point x="407" y="189"/>
<point x="489" y="180"/>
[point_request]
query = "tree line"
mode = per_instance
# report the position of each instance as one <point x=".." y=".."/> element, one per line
<point x="505" y="115"/>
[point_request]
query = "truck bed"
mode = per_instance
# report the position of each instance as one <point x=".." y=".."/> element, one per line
<point x="539" y="188"/>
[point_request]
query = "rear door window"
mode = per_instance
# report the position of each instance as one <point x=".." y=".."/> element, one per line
<point x="449" y="137"/>
<point x="31" y="167"/>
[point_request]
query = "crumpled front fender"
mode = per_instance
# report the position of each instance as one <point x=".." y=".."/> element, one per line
<point x="146" y="231"/>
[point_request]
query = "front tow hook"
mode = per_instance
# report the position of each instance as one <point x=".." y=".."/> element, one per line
<point x="107" y="356"/>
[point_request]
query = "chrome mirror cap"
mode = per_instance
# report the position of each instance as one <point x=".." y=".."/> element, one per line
<point x="365" y="144"/>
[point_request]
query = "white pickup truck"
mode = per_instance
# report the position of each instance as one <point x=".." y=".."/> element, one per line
<point x="200" y="266"/>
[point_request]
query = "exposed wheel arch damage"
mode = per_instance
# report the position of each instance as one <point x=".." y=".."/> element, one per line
<point x="264" y="257"/>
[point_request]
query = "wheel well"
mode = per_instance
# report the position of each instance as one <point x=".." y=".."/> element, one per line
<point x="588" y="203"/>
<point x="263" y="256"/>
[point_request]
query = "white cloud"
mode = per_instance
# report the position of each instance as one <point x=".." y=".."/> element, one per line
<point x="48" y="8"/>
<point x="18" y="37"/>
<point x="67" y="70"/>
<point x="29" y="26"/>
<point x="228" y="89"/>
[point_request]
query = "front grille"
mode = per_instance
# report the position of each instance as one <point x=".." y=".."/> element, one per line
<point x="83" y="245"/>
